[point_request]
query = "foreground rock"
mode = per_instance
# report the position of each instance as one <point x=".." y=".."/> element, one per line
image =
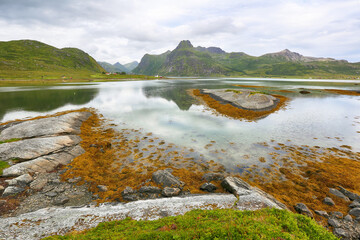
<point x="38" y="146"/>
<point x="48" y="221"/>
<point x="65" y="124"/>
<point x="250" y="198"/>
<point x="243" y="98"/>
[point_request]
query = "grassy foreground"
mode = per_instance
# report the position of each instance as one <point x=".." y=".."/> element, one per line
<point x="211" y="224"/>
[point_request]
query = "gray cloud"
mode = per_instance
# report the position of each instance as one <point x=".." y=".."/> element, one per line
<point x="113" y="30"/>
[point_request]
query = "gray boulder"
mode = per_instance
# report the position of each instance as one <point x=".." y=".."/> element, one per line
<point x="170" y="192"/>
<point x="328" y="201"/>
<point x="150" y="189"/>
<point x="69" y="123"/>
<point x="21" y="181"/>
<point x="340" y="232"/>
<point x="303" y="209"/>
<point x="351" y="195"/>
<point x="102" y="188"/>
<point x="338" y="194"/>
<point x="166" y="179"/>
<point x="12" y="190"/>
<point x="129" y="194"/>
<point x="355" y="212"/>
<point x="250" y="197"/>
<point x="334" y="223"/>
<point x="209" y="187"/>
<point x="322" y="213"/>
<point x="354" y="204"/>
<point x="337" y="214"/>
<point x="37" y="147"/>
<point x="348" y="218"/>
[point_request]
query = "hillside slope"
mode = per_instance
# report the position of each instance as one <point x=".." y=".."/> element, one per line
<point x="33" y="59"/>
<point x="186" y="60"/>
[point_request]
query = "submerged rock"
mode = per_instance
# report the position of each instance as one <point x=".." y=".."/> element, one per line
<point x="213" y="177"/>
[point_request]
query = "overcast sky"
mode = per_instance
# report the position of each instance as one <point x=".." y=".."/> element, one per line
<point x="117" y="30"/>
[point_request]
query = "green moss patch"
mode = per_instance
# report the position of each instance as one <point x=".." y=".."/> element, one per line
<point x="212" y="224"/>
<point x="3" y="165"/>
<point x="10" y="140"/>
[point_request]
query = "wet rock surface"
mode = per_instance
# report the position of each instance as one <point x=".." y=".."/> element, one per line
<point x="243" y="98"/>
<point x="41" y="147"/>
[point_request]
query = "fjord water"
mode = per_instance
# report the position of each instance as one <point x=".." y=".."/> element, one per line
<point x="164" y="108"/>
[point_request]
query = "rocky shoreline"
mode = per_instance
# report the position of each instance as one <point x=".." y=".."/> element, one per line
<point x="36" y="201"/>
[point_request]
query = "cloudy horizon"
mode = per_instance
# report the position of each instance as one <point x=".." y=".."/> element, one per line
<point x="123" y="31"/>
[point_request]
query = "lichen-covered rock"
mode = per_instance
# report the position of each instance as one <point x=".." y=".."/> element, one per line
<point x="303" y="209"/>
<point x="166" y="179"/>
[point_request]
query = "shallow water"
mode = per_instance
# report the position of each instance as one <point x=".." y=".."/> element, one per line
<point x="164" y="108"/>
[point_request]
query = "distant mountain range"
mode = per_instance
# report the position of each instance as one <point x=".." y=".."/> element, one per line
<point x="187" y="60"/>
<point x="33" y="59"/>
<point x="118" y="67"/>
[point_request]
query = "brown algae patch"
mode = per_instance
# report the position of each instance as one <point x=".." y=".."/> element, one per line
<point x="343" y="92"/>
<point x="235" y="112"/>
<point x="117" y="159"/>
<point x="305" y="174"/>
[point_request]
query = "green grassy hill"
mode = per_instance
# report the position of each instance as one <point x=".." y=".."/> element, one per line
<point x="30" y="59"/>
<point x="185" y="60"/>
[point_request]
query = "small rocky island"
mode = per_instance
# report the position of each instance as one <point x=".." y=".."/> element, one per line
<point x="240" y="103"/>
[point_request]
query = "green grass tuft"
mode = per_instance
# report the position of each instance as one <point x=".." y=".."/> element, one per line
<point x="10" y="140"/>
<point x="3" y="165"/>
<point x="212" y="224"/>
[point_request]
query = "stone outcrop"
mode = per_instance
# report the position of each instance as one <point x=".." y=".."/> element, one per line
<point x="250" y="198"/>
<point x="39" y="146"/>
<point x="243" y="98"/>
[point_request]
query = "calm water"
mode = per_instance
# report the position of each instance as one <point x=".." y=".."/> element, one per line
<point x="164" y="108"/>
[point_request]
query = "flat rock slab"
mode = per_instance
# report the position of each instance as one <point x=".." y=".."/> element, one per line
<point x="69" y="123"/>
<point x="37" y="147"/>
<point x="46" y="163"/>
<point x="243" y="98"/>
<point x="49" y="221"/>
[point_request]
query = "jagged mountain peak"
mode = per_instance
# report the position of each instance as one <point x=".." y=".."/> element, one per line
<point x="184" y="44"/>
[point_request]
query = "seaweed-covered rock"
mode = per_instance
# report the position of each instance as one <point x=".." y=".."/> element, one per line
<point x="352" y="196"/>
